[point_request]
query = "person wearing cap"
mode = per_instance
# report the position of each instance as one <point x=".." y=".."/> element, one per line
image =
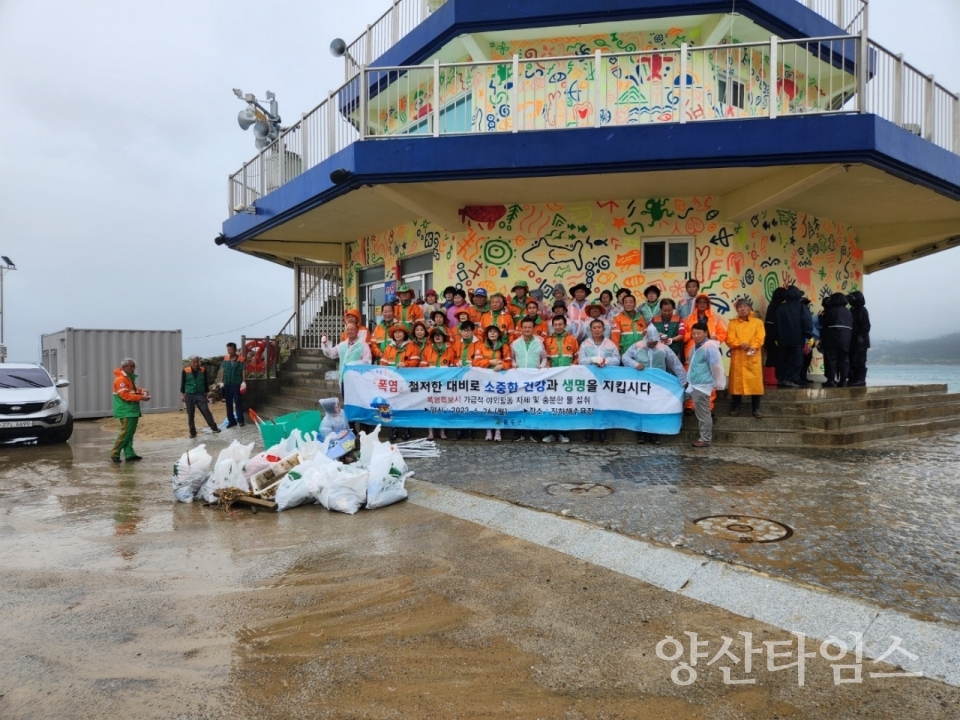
<point x="652" y="306"/>
<point x="459" y="303"/>
<point x="381" y="332"/>
<point x="628" y="327"/>
<point x="745" y="339"/>
<point x="499" y="315"/>
<point x="479" y="306"/>
<point x="419" y="339"/>
<point x="594" y="311"/>
<point x="528" y="354"/>
<point x="430" y="304"/>
<point x="540" y="327"/>
<point x="670" y="327"/>
<point x="651" y="353"/>
<point x="493" y="354"/>
<point x="577" y="307"/>
<point x="518" y="303"/>
<point x="438" y="318"/>
<point x="406" y="309"/>
<point x="400" y="351"/>
<point x="448" y="293"/>
<point x="439" y="353"/>
<point x="354" y="316"/>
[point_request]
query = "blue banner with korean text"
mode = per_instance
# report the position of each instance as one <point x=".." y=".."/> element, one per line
<point x="577" y="397"/>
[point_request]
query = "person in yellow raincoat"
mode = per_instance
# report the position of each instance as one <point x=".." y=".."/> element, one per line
<point x="745" y="338"/>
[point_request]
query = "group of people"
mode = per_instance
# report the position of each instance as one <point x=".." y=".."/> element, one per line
<point x="840" y="331"/>
<point x="522" y="331"/>
<point x="194" y="387"/>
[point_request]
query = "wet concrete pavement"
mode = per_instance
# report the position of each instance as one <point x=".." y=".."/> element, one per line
<point x="120" y="603"/>
<point x="880" y="524"/>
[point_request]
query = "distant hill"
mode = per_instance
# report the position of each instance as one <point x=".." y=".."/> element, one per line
<point x="943" y="350"/>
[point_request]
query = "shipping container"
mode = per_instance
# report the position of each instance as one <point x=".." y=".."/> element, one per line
<point x="87" y="358"/>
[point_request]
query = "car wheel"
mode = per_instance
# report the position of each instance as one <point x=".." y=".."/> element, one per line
<point x="61" y="434"/>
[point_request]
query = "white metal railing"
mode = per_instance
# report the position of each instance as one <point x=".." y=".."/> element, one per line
<point x="402" y="17"/>
<point x="752" y="80"/>
<point x="851" y="15"/>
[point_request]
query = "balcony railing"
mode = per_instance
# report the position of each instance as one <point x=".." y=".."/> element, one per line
<point x="404" y="15"/>
<point x="672" y="85"/>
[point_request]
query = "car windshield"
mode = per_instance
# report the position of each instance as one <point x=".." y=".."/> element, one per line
<point x="24" y="378"/>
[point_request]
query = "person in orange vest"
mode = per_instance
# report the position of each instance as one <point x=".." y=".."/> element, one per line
<point x="466" y="345"/>
<point x="540" y="327"/>
<point x="499" y="315"/>
<point x="400" y="352"/>
<point x="354" y="317"/>
<point x="518" y="303"/>
<point x="407" y="310"/>
<point x="479" y="306"/>
<point x="419" y="339"/>
<point x="628" y="327"/>
<point x="381" y="333"/>
<point x="561" y="346"/>
<point x="702" y="313"/>
<point x="440" y="352"/>
<point x="493" y="354"/>
<point x="438" y="318"/>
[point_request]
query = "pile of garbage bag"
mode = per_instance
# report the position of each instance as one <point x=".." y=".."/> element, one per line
<point x="297" y="471"/>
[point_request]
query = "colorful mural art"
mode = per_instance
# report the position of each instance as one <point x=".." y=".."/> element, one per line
<point x="602" y="244"/>
<point x="559" y="85"/>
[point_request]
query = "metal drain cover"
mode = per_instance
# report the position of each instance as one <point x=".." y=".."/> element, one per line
<point x="595" y="451"/>
<point x="744" y="528"/>
<point x="589" y="490"/>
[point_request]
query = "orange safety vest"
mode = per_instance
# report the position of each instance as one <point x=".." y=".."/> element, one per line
<point x="433" y="357"/>
<point x="562" y="354"/>
<point x="626" y="331"/>
<point x="485" y="356"/>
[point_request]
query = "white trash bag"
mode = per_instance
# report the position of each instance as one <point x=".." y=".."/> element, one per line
<point x="386" y="491"/>
<point x="189" y="472"/>
<point x="228" y="472"/>
<point x="347" y="492"/>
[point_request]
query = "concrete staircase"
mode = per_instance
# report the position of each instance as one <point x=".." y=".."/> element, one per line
<point x="816" y="417"/>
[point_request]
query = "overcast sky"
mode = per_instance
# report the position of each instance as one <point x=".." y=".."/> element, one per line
<point x="119" y="130"/>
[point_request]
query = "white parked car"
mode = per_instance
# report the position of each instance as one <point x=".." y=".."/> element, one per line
<point x="31" y="406"/>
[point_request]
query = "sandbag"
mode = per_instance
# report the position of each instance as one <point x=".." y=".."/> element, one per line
<point x="189" y="472"/>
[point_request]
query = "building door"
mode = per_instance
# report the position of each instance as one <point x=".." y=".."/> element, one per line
<point x="417" y="272"/>
<point x="371" y="294"/>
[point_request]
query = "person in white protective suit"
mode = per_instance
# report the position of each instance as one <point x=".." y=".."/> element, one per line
<point x="651" y="353"/>
<point x="335" y="423"/>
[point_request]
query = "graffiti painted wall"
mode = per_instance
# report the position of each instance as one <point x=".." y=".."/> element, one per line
<point x="559" y="85"/>
<point x="601" y="244"/>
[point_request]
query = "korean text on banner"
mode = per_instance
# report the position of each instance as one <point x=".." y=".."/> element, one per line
<point x="576" y="397"/>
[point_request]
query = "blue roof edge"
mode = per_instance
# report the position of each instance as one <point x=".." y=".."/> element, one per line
<point x="811" y="139"/>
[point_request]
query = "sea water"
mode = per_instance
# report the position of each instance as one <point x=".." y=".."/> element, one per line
<point x="914" y="375"/>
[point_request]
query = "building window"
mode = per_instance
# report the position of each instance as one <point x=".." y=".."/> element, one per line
<point x="671" y="255"/>
<point x="732" y="92"/>
<point x="457" y="117"/>
<point x="417" y="272"/>
<point x="371" y="282"/>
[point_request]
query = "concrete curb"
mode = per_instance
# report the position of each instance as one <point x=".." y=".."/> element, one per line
<point x="781" y="603"/>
